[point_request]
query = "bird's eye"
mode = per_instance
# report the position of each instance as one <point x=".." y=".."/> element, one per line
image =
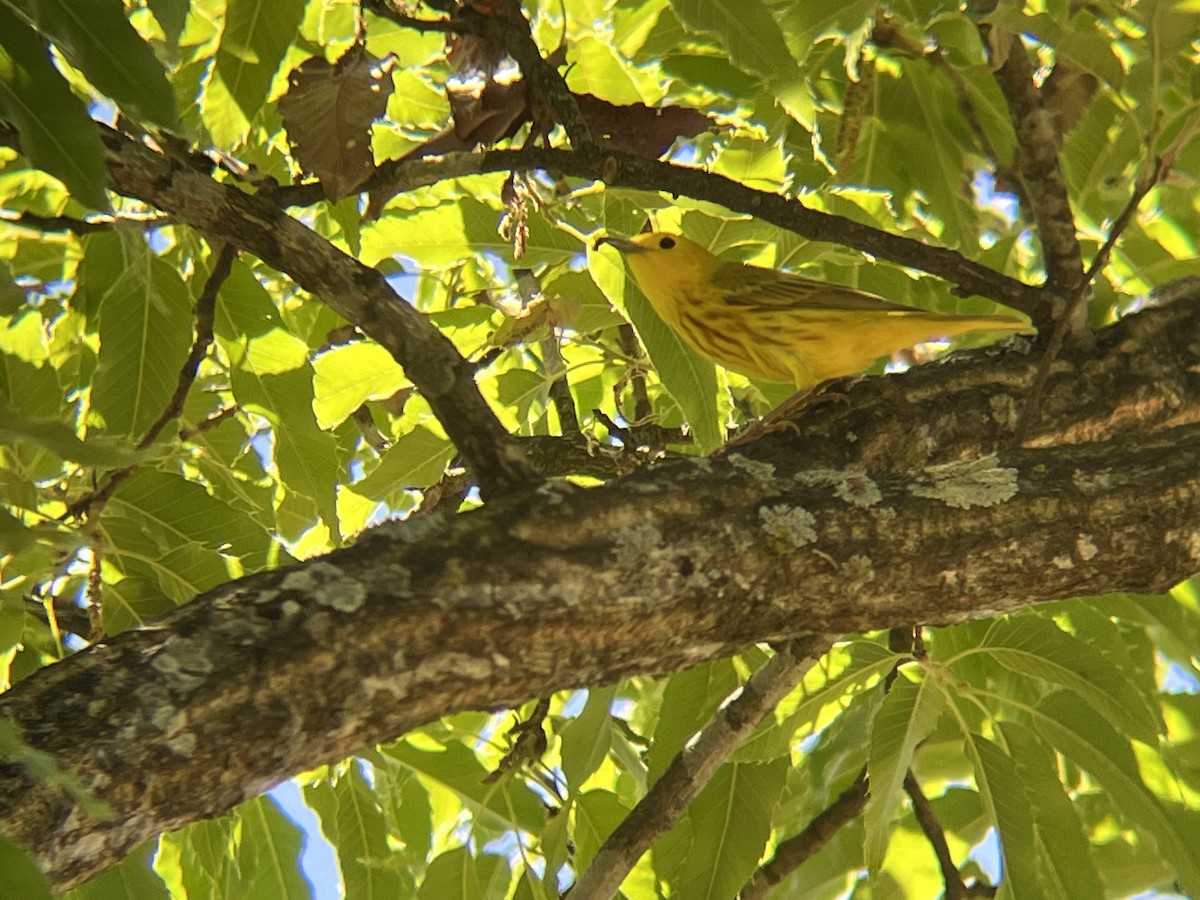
<point x="667" y="243"/>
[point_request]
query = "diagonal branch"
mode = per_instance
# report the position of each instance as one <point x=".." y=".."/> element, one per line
<point x="695" y="765"/>
<point x="419" y="620"/>
<point x="357" y="292"/>
<point x="1037" y="158"/>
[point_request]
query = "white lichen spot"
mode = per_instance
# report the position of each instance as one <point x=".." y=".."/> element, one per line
<point x="460" y="664"/>
<point x="858" y="490"/>
<point x="289" y="609"/>
<point x="1085" y="547"/>
<point x="399" y="659"/>
<point x="345" y="596"/>
<point x="300" y="581"/>
<point x="949" y="577"/>
<point x="500" y="660"/>
<point x="395" y="685"/>
<point x="759" y="471"/>
<point x="182" y="744"/>
<point x="167" y="718"/>
<point x="854" y="488"/>
<point x="962" y="485"/>
<point x="1063" y="561"/>
<point x="266" y="596"/>
<point x="1098" y="482"/>
<point x="1190" y="539"/>
<point x="632" y="543"/>
<point x="790" y="525"/>
<point x="858" y="569"/>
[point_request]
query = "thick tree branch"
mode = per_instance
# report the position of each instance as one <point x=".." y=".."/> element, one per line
<point x="355" y="291"/>
<point x="680" y="563"/>
<point x="694" y="765"/>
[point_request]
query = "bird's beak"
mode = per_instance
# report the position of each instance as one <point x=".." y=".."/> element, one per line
<point x="622" y="244"/>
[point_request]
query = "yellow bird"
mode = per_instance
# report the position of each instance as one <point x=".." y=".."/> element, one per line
<point x="777" y="326"/>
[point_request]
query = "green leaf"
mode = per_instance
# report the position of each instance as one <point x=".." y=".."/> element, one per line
<point x="256" y="36"/>
<point x="586" y="738"/>
<point x="354" y="824"/>
<point x="596" y="814"/>
<point x="22" y="877"/>
<point x="460" y="875"/>
<point x="908" y="716"/>
<point x="268" y="856"/>
<point x="1062" y="843"/>
<point x="689" y="700"/>
<point x="690" y="379"/>
<point x="1001" y="789"/>
<point x="1090" y="742"/>
<point x="133" y="878"/>
<point x="145" y="331"/>
<point x="1033" y="646"/>
<point x="456" y="769"/>
<point x="57" y="135"/>
<point x="348" y="376"/>
<point x="754" y="41"/>
<point x="730" y="821"/>
<point x="417" y="460"/>
<point x="58" y="438"/>
<point x="96" y="37"/>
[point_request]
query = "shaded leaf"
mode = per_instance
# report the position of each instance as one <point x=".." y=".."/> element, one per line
<point x="328" y="112"/>
<point x="57" y="135"/>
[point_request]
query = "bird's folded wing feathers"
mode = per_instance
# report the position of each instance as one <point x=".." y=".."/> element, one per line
<point x="766" y="288"/>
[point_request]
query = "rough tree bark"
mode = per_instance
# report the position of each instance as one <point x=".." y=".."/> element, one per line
<point x="907" y="503"/>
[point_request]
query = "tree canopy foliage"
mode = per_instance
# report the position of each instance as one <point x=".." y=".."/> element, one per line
<point x="273" y="272"/>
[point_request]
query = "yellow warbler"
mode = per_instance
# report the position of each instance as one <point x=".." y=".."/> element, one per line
<point x="776" y="326"/>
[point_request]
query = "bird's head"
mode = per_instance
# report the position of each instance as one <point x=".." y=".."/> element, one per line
<point x="659" y="258"/>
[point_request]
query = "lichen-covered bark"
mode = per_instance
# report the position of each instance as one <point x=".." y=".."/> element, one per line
<point x="906" y="503"/>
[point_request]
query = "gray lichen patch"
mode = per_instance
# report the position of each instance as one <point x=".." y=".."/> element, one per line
<point x="962" y="485"/>
<point x="760" y="471"/>
<point x="791" y="526"/>
<point x="345" y="596"/>
<point x="855" y="488"/>
<point x="633" y="543"/>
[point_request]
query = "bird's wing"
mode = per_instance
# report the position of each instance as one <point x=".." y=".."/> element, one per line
<point x="754" y="286"/>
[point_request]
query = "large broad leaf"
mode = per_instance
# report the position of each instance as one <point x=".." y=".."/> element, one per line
<point x="145" y="331"/>
<point x="256" y="36"/>
<point x="57" y="135"/>
<point x="754" y="41"/>
<point x="462" y="875"/>
<point x="1062" y="844"/>
<point x="355" y="825"/>
<point x="908" y="715"/>
<point x="96" y="37"/>
<point x="723" y="833"/>
<point x="132" y="878"/>
<point x="1090" y="742"/>
<point x="1035" y="647"/>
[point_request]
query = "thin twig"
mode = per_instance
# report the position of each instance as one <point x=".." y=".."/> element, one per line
<point x="792" y="853"/>
<point x="205" y="314"/>
<point x="695" y="765"/>
<point x="932" y="828"/>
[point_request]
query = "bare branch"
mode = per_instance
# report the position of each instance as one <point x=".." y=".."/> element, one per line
<point x="932" y="828"/>
<point x="1037" y="158"/>
<point x="694" y="766"/>
<point x="419" y="620"/>
<point x="626" y="170"/>
<point x="357" y="292"/>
